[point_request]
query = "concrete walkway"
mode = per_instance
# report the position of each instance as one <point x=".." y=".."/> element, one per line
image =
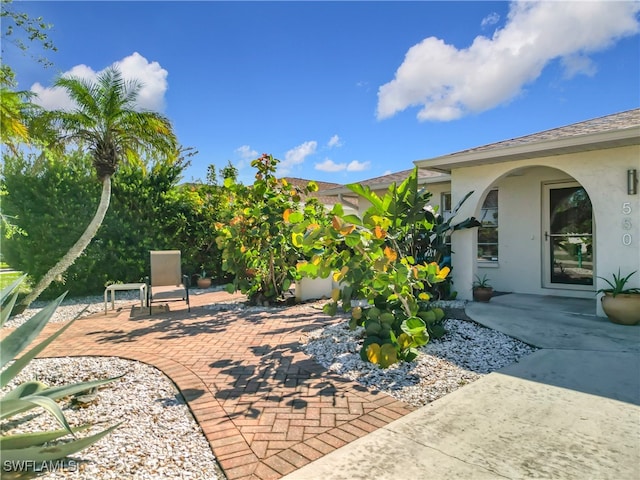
<point x="570" y="410"/>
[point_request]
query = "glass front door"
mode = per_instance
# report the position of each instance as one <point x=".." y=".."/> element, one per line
<point x="568" y="237"/>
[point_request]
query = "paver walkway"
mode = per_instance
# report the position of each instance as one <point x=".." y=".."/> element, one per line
<point x="264" y="406"/>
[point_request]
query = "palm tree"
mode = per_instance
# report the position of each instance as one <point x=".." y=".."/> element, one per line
<point x="14" y="111"/>
<point x="106" y="122"/>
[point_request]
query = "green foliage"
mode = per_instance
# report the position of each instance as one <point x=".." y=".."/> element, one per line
<point x="148" y="211"/>
<point x="256" y="238"/>
<point x="47" y="201"/>
<point x="32" y="394"/>
<point x="18" y="29"/>
<point x="374" y="257"/>
<point x="481" y="282"/>
<point x="8" y="278"/>
<point x="618" y="285"/>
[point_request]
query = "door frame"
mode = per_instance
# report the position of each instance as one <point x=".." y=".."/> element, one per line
<point x="546" y="243"/>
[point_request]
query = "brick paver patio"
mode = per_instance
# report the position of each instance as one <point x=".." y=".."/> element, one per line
<point x="264" y="406"/>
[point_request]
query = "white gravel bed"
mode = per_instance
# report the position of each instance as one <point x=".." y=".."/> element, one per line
<point x="467" y="352"/>
<point x="158" y="438"/>
<point x="69" y="308"/>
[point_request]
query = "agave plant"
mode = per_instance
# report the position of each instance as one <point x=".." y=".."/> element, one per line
<point x="618" y="285"/>
<point x="37" y="447"/>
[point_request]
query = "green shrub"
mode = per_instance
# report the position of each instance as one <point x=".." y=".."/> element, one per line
<point x="256" y="241"/>
<point x="374" y="256"/>
<point x="50" y="202"/>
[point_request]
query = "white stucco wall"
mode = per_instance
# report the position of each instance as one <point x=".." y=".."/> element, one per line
<point x="602" y="173"/>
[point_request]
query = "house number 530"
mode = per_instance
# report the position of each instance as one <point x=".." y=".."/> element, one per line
<point x="626" y="223"/>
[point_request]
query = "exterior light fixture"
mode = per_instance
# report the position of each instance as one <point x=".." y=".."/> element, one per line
<point x="632" y="181"/>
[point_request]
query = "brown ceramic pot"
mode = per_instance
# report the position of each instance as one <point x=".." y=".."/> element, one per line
<point x="482" y="294"/>
<point x="624" y="308"/>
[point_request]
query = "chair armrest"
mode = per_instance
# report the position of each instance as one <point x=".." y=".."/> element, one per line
<point x="186" y="280"/>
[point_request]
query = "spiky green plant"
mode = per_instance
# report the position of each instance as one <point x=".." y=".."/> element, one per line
<point x="618" y="285"/>
<point x="36" y="447"/>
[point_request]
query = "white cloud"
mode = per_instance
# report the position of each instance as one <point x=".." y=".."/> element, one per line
<point x="334" y="141"/>
<point x="490" y="20"/>
<point x="356" y="166"/>
<point x="329" y="165"/>
<point x="296" y="156"/>
<point x="448" y="83"/>
<point x="150" y="75"/>
<point x="246" y="152"/>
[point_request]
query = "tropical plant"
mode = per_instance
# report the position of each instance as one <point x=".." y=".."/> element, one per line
<point x="618" y="285"/>
<point x="203" y="272"/>
<point x="15" y="109"/>
<point x="28" y="449"/>
<point x="373" y="255"/>
<point x="107" y="123"/>
<point x="481" y="282"/>
<point x="256" y="243"/>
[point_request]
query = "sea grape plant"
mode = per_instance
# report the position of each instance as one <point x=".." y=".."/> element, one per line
<point x="255" y="241"/>
<point x="373" y="256"/>
<point x="37" y="447"/>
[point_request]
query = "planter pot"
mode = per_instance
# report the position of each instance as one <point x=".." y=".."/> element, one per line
<point x="313" y="288"/>
<point x="624" y="308"/>
<point x="482" y="294"/>
<point x="204" y="282"/>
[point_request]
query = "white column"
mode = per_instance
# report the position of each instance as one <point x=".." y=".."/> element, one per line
<point x="463" y="259"/>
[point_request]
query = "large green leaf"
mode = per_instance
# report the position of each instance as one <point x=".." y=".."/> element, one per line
<point x="22" y="336"/>
<point x="31" y="401"/>
<point x="6" y="291"/>
<point x="53" y="393"/>
<point x="25" y="440"/>
<point x="24" y="390"/>
<point x="53" y="452"/>
<point x="366" y="193"/>
<point x="16" y="367"/>
<point x="413" y="326"/>
<point x="4" y="294"/>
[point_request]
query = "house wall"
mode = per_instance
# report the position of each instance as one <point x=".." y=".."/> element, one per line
<point x="436" y="189"/>
<point x="616" y="213"/>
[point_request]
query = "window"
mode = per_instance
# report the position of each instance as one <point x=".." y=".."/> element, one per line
<point x="445" y="205"/>
<point x="445" y="210"/>
<point x="488" y="232"/>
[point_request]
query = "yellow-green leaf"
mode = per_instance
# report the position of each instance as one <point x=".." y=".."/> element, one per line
<point x="373" y="353"/>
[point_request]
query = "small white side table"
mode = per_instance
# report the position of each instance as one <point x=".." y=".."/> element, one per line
<point x="121" y="287"/>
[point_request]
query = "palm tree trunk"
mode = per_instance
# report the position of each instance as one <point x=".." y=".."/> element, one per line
<point x="76" y="250"/>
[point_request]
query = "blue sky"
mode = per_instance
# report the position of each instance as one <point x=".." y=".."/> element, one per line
<point x="345" y="91"/>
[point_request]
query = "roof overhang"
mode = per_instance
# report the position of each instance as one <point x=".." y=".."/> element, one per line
<point x="543" y="148"/>
<point x="445" y="178"/>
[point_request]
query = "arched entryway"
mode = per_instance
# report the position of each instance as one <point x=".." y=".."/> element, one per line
<point x="537" y="235"/>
